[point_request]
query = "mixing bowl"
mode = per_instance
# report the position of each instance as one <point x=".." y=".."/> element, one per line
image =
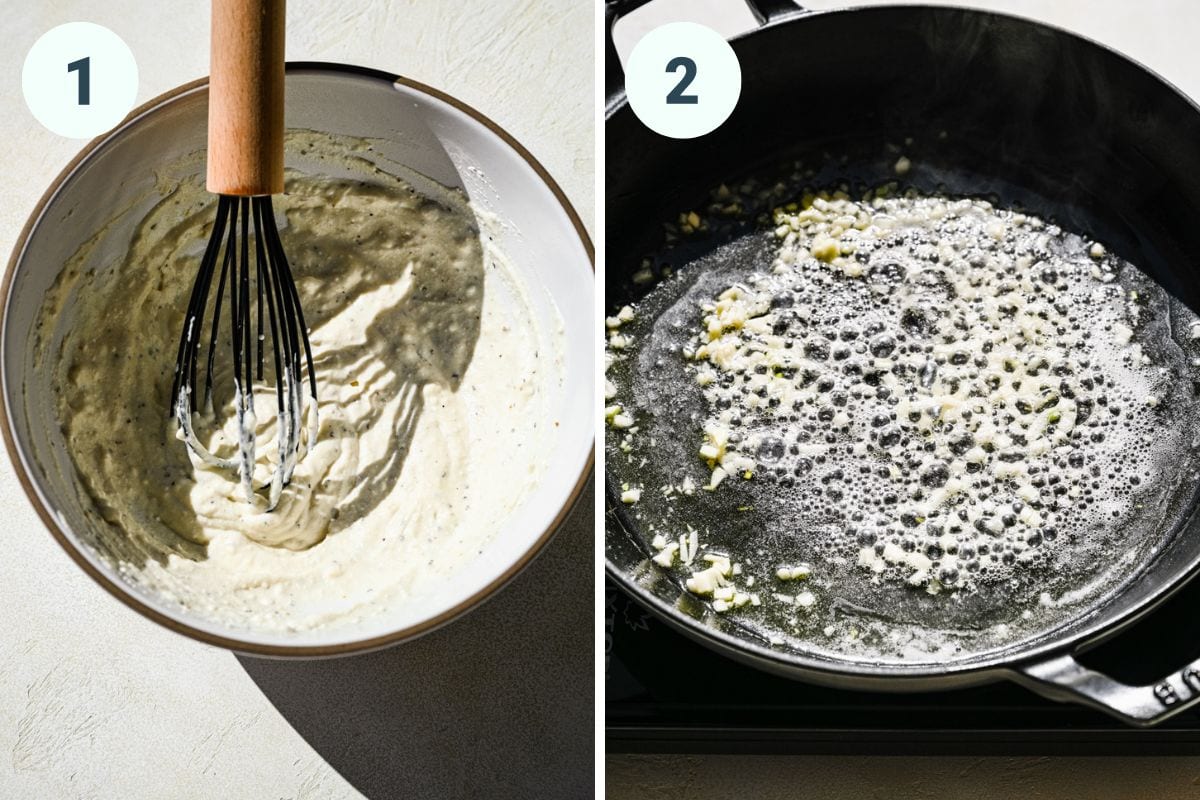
<point x="108" y="188"/>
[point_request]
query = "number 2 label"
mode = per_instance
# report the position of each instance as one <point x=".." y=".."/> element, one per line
<point x="682" y="80"/>
<point x="676" y="95"/>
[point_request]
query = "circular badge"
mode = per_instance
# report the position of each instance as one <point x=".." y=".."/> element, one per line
<point x="79" y="79"/>
<point x="683" y="80"/>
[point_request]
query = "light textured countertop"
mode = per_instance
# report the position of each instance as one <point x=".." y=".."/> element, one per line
<point x="97" y="702"/>
<point x="1161" y="34"/>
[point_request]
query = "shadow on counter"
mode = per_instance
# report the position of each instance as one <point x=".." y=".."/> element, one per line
<point x="498" y="704"/>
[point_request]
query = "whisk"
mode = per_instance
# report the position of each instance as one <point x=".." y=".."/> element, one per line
<point x="245" y="167"/>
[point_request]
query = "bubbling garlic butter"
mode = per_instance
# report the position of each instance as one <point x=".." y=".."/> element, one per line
<point x="933" y="394"/>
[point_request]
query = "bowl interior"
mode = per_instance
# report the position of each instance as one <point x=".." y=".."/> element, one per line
<point x="435" y="139"/>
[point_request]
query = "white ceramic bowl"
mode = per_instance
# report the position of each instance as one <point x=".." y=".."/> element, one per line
<point x="413" y="125"/>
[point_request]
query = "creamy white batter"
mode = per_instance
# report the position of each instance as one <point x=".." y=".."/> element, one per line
<point x="435" y="386"/>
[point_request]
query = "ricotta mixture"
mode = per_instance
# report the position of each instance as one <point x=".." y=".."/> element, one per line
<point x="435" y="385"/>
<point x="900" y="394"/>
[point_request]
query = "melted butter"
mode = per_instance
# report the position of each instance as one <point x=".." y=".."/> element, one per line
<point x="963" y="422"/>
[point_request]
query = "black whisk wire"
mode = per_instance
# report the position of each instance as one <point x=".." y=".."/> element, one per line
<point x="274" y="283"/>
<point x="264" y="279"/>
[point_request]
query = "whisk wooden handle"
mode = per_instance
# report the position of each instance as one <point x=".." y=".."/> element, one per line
<point x="245" y="98"/>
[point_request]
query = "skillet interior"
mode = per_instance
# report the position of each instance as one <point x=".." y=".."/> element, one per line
<point x="1041" y="118"/>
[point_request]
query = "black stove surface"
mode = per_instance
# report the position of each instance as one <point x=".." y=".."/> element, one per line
<point x="665" y="693"/>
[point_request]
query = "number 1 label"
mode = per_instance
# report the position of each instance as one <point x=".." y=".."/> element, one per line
<point x="59" y="85"/>
<point x="84" y="67"/>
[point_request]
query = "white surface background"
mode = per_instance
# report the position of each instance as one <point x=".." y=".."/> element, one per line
<point x="1161" y="34"/>
<point x="96" y="702"/>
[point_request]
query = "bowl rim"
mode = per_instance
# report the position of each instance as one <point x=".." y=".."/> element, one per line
<point x="128" y="597"/>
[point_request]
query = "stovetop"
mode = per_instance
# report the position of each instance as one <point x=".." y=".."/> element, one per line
<point x="666" y="693"/>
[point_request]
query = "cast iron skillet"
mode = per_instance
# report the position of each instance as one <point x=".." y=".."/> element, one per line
<point x="1066" y="127"/>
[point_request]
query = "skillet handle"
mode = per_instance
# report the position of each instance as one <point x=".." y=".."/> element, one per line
<point x="765" y="11"/>
<point x="1064" y="679"/>
<point x="768" y="11"/>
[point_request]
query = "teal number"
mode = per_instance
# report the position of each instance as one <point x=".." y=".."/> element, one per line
<point x="677" y="96"/>
<point x="84" y="67"/>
